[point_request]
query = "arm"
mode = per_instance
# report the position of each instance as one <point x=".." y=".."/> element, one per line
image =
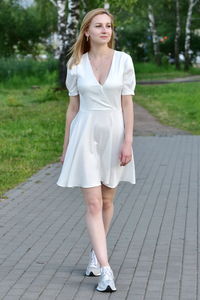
<point x="128" y="115"/>
<point x="72" y="110"/>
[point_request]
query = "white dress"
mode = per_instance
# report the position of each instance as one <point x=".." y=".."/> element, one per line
<point x="97" y="131"/>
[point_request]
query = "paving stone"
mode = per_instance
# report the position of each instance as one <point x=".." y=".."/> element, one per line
<point x="152" y="244"/>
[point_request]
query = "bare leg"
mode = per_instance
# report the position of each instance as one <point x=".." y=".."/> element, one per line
<point x="94" y="221"/>
<point x="108" y="207"/>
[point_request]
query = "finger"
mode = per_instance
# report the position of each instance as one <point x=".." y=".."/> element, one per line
<point x="126" y="160"/>
<point x="123" y="162"/>
<point x="122" y="159"/>
<point x="120" y="156"/>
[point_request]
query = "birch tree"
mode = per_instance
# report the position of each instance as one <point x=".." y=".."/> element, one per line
<point x="62" y="36"/>
<point x="67" y="29"/>
<point x="72" y="23"/>
<point x="192" y="3"/>
<point x="155" y="38"/>
<point x="177" y="35"/>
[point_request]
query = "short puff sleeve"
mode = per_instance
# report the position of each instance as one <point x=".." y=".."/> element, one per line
<point x="129" y="81"/>
<point x="71" y="81"/>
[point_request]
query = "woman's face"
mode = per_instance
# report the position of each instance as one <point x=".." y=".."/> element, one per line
<point x="100" y="29"/>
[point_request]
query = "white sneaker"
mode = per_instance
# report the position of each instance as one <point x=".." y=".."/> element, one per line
<point x="106" y="282"/>
<point x="93" y="268"/>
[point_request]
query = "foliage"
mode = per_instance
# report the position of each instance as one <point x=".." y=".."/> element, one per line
<point x="22" y="29"/>
<point x="133" y="29"/>
<point x="25" y="29"/>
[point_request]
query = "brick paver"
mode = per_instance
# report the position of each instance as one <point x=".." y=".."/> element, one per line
<point x="153" y="242"/>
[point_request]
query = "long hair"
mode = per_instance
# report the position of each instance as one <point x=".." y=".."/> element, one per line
<point x="81" y="45"/>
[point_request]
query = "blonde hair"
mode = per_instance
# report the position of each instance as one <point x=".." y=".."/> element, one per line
<point x="81" y="45"/>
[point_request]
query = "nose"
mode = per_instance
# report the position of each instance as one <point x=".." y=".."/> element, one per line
<point x="104" y="29"/>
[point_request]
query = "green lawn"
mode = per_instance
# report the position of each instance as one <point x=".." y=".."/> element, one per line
<point x="150" y="71"/>
<point x="31" y="135"/>
<point x="174" y="104"/>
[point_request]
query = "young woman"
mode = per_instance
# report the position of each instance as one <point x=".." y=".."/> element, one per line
<point x="97" y="151"/>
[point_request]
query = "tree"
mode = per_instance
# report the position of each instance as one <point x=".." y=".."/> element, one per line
<point x="71" y="33"/>
<point x="61" y="10"/>
<point x="155" y="38"/>
<point x="67" y="28"/>
<point x="192" y="3"/>
<point x="21" y="29"/>
<point x="177" y="35"/>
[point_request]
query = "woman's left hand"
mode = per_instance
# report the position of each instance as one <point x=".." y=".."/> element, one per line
<point x="125" y="154"/>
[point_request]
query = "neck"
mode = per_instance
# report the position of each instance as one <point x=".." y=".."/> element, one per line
<point x="99" y="50"/>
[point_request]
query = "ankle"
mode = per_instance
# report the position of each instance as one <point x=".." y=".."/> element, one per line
<point x="105" y="266"/>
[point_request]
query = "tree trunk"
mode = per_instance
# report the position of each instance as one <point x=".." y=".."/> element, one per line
<point x="72" y="23"/>
<point x="192" y="3"/>
<point x="71" y="34"/>
<point x="177" y="35"/>
<point x="61" y="8"/>
<point x="67" y="29"/>
<point x="155" y="39"/>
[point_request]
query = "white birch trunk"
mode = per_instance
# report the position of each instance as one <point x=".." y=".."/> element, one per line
<point x="177" y="35"/>
<point x="67" y="33"/>
<point x="192" y="3"/>
<point x="72" y="23"/>
<point x="155" y="37"/>
<point x="67" y="29"/>
<point x="61" y="6"/>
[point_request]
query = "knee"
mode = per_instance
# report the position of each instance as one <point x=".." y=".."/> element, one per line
<point x="94" y="206"/>
<point x="107" y="204"/>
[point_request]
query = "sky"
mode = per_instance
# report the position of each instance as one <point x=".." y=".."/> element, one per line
<point x="26" y="3"/>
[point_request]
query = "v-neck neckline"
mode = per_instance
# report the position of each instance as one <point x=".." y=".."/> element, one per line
<point x="108" y="75"/>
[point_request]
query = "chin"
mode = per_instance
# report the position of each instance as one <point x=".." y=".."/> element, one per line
<point x="101" y="42"/>
<point x="104" y="41"/>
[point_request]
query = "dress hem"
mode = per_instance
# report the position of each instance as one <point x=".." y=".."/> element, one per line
<point x="95" y="185"/>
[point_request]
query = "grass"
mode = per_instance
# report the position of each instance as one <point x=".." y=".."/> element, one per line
<point x="146" y="71"/>
<point x="32" y="128"/>
<point x="25" y="68"/>
<point x="175" y="104"/>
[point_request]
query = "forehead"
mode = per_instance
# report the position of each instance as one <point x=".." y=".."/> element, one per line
<point x="102" y="18"/>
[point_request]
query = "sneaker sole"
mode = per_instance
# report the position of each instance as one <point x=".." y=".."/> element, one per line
<point x="91" y="274"/>
<point x="107" y="290"/>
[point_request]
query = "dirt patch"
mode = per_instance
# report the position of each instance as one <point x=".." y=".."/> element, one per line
<point x="146" y="125"/>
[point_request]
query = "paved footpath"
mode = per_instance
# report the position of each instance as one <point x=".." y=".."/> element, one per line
<point x="193" y="78"/>
<point x="153" y="242"/>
